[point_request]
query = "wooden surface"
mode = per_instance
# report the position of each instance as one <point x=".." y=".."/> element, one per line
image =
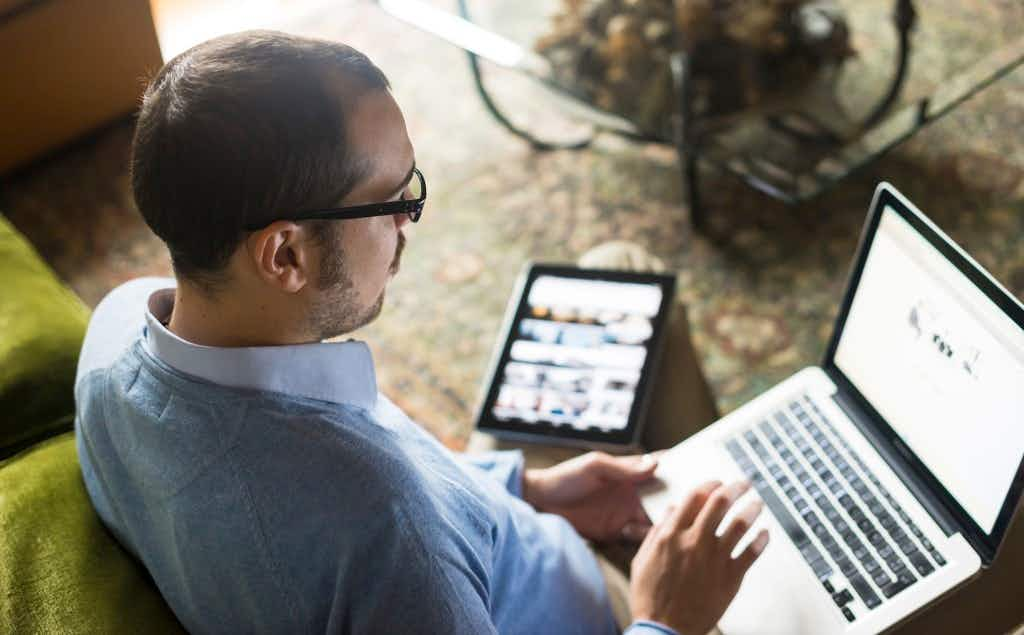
<point x="69" y="66"/>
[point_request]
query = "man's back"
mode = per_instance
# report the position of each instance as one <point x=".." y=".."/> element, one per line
<point x="261" y="510"/>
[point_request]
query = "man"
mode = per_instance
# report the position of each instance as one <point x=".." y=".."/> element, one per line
<point x="255" y="470"/>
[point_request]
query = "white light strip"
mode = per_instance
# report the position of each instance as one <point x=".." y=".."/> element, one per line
<point x="458" y="31"/>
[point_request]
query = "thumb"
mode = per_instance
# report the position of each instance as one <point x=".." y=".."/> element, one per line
<point x="635" y="468"/>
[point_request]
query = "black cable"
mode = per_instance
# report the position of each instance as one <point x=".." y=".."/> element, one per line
<point x="485" y="96"/>
<point x="904" y="18"/>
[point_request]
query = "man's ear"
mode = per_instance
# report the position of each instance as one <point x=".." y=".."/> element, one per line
<point x="281" y="255"/>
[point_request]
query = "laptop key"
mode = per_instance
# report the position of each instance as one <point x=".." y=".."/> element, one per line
<point x="897" y="565"/>
<point x="893" y="588"/>
<point x="921" y="563"/>
<point x="843" y="597"/>
<point x="938" y="558"/>
<point x="848" y="614"/>
<point x="864" y="590"/>
<point x="881" y="578"/>
<point x="845" y="565"/>
<point x="833" y="549"/>
<point x="809" y="551"/>
<point x="821" y="569"/>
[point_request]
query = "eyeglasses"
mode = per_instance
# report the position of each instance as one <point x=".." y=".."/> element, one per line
<point x="411" y="206"/>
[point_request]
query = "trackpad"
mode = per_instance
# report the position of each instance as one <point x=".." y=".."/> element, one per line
<point x="681" y="470"/>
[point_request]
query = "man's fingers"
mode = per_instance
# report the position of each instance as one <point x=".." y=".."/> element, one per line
<point x="681" y="517"/>
<point x="740" y="525"/>
<point x="718" y="505"/>
<point x="751" y="553"/>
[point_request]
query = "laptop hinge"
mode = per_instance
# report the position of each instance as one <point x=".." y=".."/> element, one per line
<point x="898" y="463"/>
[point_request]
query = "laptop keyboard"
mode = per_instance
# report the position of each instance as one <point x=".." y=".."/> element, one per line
<point x="851" y="534"/>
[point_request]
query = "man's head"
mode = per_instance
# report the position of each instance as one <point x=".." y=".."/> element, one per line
<point x="252" y="129"/>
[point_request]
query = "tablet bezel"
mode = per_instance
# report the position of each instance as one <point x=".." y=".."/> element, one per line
<point x="546" y="433"/>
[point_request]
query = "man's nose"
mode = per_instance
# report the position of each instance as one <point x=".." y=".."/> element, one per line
<point x="401" y="220"/>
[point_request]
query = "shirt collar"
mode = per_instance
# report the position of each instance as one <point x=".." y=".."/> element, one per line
<point x="340" y="372"/>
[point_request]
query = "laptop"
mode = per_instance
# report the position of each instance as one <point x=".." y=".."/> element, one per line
<point x="891" y="472"/>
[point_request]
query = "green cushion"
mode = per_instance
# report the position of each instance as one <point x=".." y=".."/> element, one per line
<point x="60" y="570"/>
<point x="41" y="328"/>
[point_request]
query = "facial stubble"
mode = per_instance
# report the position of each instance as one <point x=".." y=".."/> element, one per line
<point x="336" y="311"/>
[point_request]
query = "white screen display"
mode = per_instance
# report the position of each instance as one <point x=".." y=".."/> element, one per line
<point x="941" y="363"/>
<point x="577" y="354"/>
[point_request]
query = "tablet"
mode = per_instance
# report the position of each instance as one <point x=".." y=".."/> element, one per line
<point x="576" y="356"/>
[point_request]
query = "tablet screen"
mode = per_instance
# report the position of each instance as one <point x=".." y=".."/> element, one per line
<point x="576" y="354"/>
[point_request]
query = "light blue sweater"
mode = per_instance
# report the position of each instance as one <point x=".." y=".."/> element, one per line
<point x="274" y="490"/>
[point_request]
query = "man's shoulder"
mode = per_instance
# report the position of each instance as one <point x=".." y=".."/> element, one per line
<point x="336" y="451"/>
<point x="117" y="322"/>
<point x="341" y="463"/>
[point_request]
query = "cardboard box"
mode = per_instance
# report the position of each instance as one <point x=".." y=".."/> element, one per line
<point x="67" y="67"/>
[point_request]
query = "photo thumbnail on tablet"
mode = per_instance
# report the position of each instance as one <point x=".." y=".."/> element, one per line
<point x="578" y="352"/>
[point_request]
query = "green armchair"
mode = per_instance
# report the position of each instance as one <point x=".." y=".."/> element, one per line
<point x="60" y="570"/>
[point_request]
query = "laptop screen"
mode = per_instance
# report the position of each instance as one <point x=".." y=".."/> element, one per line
<point x="941" y="362"/>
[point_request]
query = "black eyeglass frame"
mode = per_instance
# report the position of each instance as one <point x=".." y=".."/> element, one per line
<point x="412" y="207"/>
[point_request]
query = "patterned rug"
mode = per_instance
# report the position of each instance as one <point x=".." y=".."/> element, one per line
<point x="761" y="301"/>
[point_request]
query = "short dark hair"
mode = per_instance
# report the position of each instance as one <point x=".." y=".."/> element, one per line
<point x="244" y="129"/>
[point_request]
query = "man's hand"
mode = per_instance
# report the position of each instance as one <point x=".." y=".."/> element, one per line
<point x="595" y="492"/>
<point x="684" y="575"/>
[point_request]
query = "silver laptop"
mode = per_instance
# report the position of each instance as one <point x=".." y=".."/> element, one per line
<point x="891" y="472"/>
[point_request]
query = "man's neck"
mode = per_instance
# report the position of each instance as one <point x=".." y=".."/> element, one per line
<point x="227" y="321"/>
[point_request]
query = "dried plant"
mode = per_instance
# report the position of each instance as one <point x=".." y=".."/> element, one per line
<point x="615" y="53"/>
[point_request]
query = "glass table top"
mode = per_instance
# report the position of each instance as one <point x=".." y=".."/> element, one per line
<point x="795" y="145"/>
